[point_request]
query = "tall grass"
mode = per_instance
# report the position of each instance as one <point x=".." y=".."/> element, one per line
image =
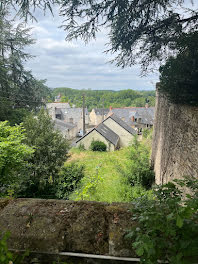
<point x="103" y="180"/>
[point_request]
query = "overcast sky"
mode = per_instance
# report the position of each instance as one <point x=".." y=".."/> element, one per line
<point x="76" y="65"/>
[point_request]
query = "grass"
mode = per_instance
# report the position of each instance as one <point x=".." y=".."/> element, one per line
<point x="103" y="181"/>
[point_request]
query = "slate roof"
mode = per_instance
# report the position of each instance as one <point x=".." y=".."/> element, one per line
<point x="61" y="125"/>
<point x="122" y="124"/>
<point x="75" y="113"/>
<point x="101" y="111"/>
<point x="146" y="114"/>
<point x="105" y="132"/>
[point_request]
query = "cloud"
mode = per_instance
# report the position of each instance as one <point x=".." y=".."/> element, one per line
<point x="76" y="65"/>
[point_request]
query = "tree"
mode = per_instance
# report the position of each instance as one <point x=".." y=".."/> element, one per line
<point x="14" y="154"/>
<point x="179" y="75"/>
<point x="142" y="31"/>
<point x="51" y="151"/>
<point x="18" y="87"/>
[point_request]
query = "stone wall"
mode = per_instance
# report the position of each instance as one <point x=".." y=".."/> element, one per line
<point x="175" y="140"/>
<point x="65" y="226"/>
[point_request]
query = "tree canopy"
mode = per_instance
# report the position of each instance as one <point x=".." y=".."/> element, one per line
<point x="139" y="31"/>
<point x="19" y="89"/>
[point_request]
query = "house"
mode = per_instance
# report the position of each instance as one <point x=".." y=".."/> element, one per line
<point x="121" y="128"/>
<point x="97" y="115"/>
<point x="113" y="131"/>
<point x="55" y="109"/>
<point x="136" y="117"/>
<point x="101" y="133"/>
<point x="68" y="130"/>
<point x="64" y="112"/>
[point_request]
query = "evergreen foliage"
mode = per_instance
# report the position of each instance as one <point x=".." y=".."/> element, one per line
<point x="152" y="26"/>
<point x="179" y="76"/>
<point x="20" y="91"/>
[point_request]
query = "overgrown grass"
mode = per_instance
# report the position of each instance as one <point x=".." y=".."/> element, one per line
<point x="103" y="181"/>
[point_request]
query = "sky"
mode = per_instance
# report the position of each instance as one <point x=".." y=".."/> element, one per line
<point x="78" y="65"/>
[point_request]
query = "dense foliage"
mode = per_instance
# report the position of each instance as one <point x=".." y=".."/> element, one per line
<point x="14" y="154"/>
<point x="20" y="91"/>
<point x="98" y="146"/>
<point x="51" y="151"/>
<point x="167" y="226"/>
<point x="69" y="178"/>
<point x="179" y="76"/>
<point x="138" y="171"/>
<point x="105" y="98"/>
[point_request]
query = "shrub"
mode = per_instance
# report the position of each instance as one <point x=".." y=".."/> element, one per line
<point x="167" y="226"/>
<point x="69" y="178"/>
<point x="138" y="170"/>
<point x="98" y="146"/>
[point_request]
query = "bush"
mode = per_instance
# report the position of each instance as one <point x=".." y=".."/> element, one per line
<point x="167" y="226"/>
<point x="138" y="170"/>
<point x="98" y="146"/>
<point x="69" y="178"/>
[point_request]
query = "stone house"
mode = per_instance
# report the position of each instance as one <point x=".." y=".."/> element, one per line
<point x="124" y="131"/>
<point x="68" y="130"/>
<point x="97" y="115"/>
<point x="138" y="118"/>
<point x="113" y="131"/>
<point x="72" y="115"/>
<point x="55" y="109"/>
<point x="100" y="133"/>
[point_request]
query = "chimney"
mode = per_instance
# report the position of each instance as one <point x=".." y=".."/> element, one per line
<point x="133" y="118"/>
<point x="110" y="108"/>
<point x="146" y="105"/>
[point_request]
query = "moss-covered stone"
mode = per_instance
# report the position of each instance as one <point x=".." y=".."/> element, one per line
<point x="58" y="225"/>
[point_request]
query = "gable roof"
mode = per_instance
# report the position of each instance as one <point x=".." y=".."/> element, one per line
<point x="106" y="132"/>
<point x="123" y="124"/>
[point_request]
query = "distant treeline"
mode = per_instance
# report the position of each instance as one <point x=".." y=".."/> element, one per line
<point x="105" y="98"/>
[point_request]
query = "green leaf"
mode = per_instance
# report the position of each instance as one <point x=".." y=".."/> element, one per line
<point x="179" y="221"/>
